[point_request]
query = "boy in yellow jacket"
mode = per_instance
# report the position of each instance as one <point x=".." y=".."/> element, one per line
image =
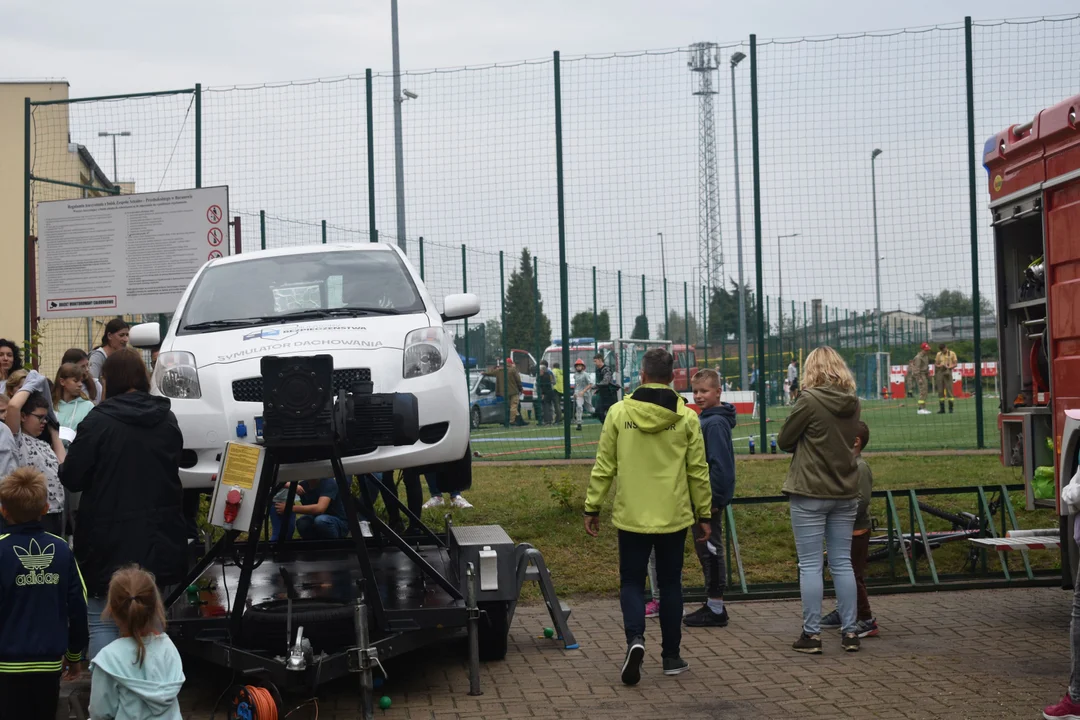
<point x="663" y="489"/>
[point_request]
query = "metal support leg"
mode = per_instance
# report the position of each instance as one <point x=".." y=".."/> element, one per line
<point x="474" y="632"/>
<point x="558" y="611"/>
<point x="364" y="650"/>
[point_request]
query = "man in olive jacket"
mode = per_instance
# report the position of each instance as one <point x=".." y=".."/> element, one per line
<point x="652" y="442"/>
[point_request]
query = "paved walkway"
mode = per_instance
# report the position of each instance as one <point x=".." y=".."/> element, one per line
<point x="977" y="654"/>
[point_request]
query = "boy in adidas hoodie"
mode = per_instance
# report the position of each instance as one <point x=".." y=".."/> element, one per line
<point x="717" y="422"/>
<point x="42" y="603"/>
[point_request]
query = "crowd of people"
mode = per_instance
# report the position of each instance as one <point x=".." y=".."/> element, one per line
<point x="675" y="467"/>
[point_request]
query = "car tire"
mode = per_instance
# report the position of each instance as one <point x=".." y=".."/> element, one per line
<point x="474" y="418"/>
<point x="494" y="630"/>
<point x="327" y="624"/>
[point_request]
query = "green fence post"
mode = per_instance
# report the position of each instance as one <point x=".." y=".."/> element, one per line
<point x="198" y="136"/>
<point x="705" y="315"/>
<point x="465" y="289"/>
<point x="28" y="280"/>
<point x="805" y="333"/>
<point x="643" y="305"/>
<point x="324" y="234"/>
<point x="373" y="233"/>
<point x="502" y="310"/>
<point x="733" y="542"/>
<point x="563" y="284"/>
<point x="686" y="328"/>
<point x="757" y="234"/>
<point x="973" y="207"/>
<point x="621" y="335"/>
<point x="595" y="319"/>
<point x="422" y="257"/>
<point x="536" y="319"/>
<point x="262" y="229"/>
<point x="780" y="329"/>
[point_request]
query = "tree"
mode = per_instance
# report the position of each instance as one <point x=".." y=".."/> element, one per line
<point x="582" y="325"/>
<point x="676" y="327"/>
<point x="641" y="328"/>
<point x="951" y="303"/>
<point x="724" y="313"/>
<point x="477" y="344"/>
<point x="493" y="341"/>
<point x="522" y="301"/>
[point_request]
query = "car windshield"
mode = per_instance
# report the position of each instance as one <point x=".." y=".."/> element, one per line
<point x="273" y="289"/>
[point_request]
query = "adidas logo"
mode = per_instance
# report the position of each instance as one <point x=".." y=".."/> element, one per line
<point x="33" y="557"/>
<point x="36" y="560"/>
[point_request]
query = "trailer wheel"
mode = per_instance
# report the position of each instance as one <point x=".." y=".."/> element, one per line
<point x="494" y="630"/>
<point x="329" y="625"/>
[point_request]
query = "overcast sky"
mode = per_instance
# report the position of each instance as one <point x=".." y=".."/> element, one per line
<point x="133" y="44"/>
<point x="480" y="147"/>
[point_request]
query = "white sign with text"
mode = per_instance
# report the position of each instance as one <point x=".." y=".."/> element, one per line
<point x="126" y="254"/>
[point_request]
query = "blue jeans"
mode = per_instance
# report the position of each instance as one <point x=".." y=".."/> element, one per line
<point x="812" y="521"/>
<point x="102" y="632"/>
<point x="321" y="527"/>
<point x="634" y="551"/>
<point x="275" y="524"/>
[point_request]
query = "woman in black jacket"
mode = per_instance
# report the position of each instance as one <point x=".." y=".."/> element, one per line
<point x="125" y="461"/>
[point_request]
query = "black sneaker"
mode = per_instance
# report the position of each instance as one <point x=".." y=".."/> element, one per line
<point x="631" y="667"/>
<point x="850" y="642"/>
<point x="705" y="617"/>
<point x="579" y="426"/>
<point x="810" y="644"/>
<point x="831" y="621"/>
<point x="675" y="666"/>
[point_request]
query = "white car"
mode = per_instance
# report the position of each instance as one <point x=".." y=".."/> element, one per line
<point x="363" y="304"/>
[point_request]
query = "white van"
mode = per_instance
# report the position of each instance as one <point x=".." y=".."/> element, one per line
<point x="363" y="304"/>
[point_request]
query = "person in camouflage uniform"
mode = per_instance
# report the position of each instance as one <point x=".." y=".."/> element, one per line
<point x="919" y="372"/>
<point x="944" y="364"/>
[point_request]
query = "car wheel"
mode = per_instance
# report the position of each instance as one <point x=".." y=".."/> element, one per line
<point x="474" y="418"/>
<point x="328" y="625"/>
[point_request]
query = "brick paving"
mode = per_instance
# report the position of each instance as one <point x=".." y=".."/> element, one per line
<point x="974" y="654"/>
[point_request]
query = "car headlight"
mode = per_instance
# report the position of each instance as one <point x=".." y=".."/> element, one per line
<point x="176" y="376"/>
<point x="425" y="351"/>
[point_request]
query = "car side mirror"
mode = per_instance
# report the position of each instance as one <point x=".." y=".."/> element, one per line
<point x="459" y="306"/>
<point x="145" y="335"/>
<point x="484" y="391"/>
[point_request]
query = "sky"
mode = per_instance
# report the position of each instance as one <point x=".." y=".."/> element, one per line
<point x="480" y="150"/>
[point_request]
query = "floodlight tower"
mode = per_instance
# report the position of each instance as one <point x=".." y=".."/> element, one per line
<point x="704" y="61"/>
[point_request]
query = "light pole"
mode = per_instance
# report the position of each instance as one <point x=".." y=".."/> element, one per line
<point x="877" y="268"/>
<point x="877" y="255"/>
<point x="114" y="135"/>
<point x="736" y="58"/>
<point x="399" y="158"/>
<point x="780" y="303"/>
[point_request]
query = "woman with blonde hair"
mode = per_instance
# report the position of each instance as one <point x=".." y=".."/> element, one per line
<point x="822" y="488"/>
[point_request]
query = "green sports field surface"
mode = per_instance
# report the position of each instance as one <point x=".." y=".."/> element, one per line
<point x="894" y="426"/>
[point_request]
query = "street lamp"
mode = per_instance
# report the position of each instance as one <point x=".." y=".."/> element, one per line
<point x="780" y="301"/>
<point x="736" y="58"/>
<point x="399" y="156"/>
<point x="114" y="135"/>
<point x="877" y="255"/>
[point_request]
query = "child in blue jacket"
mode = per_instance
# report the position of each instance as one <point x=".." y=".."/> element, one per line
<point x="717" y="422"/>
<point x="42" y="603"/>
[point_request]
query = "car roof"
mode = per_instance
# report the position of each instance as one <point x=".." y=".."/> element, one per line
<point x="305" y="250"/>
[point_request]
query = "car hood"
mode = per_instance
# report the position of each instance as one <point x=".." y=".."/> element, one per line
<point x="300" y="338"/>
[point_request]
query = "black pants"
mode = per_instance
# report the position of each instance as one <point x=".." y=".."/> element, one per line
<point x="414" y="493"/>
<point x="29" y="696"/>
<point x="634" y="551"/>
<point x="712" y="559"/>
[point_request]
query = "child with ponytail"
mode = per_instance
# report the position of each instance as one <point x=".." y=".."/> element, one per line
<point x="139" y="675"/>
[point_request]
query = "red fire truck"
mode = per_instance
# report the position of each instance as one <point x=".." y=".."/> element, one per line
<point x="1034" y="177"/>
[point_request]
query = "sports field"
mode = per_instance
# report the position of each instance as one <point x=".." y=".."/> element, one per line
<point x="894" y="426"/>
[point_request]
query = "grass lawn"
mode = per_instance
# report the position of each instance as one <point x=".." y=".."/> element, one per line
<point x="893" y="423"/>
<point x="542" y="506"/>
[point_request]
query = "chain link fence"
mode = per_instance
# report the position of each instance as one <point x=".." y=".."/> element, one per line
<point x="852" y="228"/>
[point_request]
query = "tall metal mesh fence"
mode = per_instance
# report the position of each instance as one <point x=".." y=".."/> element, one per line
<point x="651" y="230"/>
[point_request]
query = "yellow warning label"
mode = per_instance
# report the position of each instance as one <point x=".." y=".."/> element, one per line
<point x="998" y="180"/>
<point x="241" y="465"/>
